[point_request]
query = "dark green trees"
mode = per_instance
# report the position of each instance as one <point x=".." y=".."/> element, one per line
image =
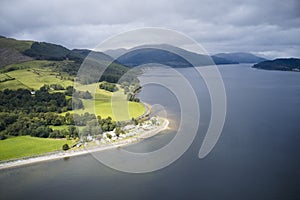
<point x="111" y="87"/>
<point x="65" y="147"/>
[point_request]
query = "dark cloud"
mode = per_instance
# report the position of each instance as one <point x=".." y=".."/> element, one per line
<point x="268" y="27"/>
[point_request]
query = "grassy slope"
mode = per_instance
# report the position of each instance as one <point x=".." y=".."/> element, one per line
<point x="20" y="45"/>
<point x="32" y="75"/>
<point x="110" y="104"/>
<point x="23" y="146"/>
<point x="11" y="51"/>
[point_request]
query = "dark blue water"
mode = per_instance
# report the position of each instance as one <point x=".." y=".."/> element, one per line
<point x="256" y="157"/>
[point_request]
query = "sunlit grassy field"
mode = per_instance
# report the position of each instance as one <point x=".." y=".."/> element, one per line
<point x="110" y="104"/>
<point x="34" y="74"/>
<point x="23" y="146"/>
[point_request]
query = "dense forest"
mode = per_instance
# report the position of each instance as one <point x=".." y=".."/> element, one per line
<point x="42" y="101"/>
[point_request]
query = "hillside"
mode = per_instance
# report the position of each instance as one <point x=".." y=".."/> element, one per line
<point x="222" y="61"/>
<point x="10" y="56"/>
<point x="282" y="64"/>
<point x="47" y="51"/>
<point x="66" y="61"/>
<point x="11" y="51"/>
<point x="19" y="45"/>
<point x="241" y="57"/>
<point x="164" y="54"/>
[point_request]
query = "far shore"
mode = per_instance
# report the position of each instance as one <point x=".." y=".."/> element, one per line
<point x="103" y="147"/>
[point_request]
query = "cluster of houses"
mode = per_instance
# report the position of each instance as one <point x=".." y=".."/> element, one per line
<point x="127" y="131"/>
<point x="130" y="130"/>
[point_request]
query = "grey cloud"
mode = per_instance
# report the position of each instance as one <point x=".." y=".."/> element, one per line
<point x="220" y="25"/>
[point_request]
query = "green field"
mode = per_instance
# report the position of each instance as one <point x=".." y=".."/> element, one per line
<point x="34" y="74"/>
<point x="120" y="111"/>
<point x="110" y="104"/>
<point x="23" y="146"/>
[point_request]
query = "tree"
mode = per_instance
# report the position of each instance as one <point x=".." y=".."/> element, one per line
<point x="105" y="127"/>
<point x="42" y="131"/>
<point x="65" y="147"/>
<point x="135" y="121"/>
<point x="69" y="91"/>
<point x="73" y="131"/>
<point x="57" y="86"/>
<point x="111" y="87"/>
<point x="108" y="136"/>
<point x="2" y="136"/>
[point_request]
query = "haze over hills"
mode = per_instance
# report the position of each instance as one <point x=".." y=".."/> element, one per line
<point x="164" y="54"/>
<point x="16" y="51"/>
<point x="241" y="57"/>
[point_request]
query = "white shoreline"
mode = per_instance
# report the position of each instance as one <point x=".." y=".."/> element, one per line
<point x="70" y="153"/>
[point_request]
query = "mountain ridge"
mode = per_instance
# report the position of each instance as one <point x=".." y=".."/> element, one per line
<point x="241" y="57"/>
<point x="23" y="50"/>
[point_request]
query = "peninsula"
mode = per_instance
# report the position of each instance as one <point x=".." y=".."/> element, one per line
<point x="281" y="64"/>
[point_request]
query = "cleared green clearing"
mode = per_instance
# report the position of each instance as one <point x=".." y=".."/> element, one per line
<point x="110" y="104"/>
<point x="117" y="110"/>
<point x="23" y="146"/>
<point x="3" y="77"/>
<point x="30" y="64"/>
<point x="98" y="93"/>
<point x="13" y="85"/>
<point x="120" y="111"/>
<point x="33" y="75"/>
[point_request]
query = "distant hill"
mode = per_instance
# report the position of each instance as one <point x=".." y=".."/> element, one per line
<point x="240" y="57"/>
<point x="11" y="51"/>
<point x="282" y="64"/>
<point x="164" y="54"/>
<point x="149" y="55"/>
<point x="68" y="61"/>
<point x="83" y="53"/>
<point x="19" y="45"/>
<point x="115" y="53"/>
<point x="222" y="61"/>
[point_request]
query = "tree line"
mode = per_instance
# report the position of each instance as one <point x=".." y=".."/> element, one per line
<point x="38" y="124"/>
<point x="42" y="101"/>
<point x="111" y="87"/>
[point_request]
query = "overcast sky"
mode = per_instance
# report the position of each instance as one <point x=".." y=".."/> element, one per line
<point x="269" y="27"/>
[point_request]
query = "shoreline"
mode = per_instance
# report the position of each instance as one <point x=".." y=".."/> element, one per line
<point x="72" y="153"/>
